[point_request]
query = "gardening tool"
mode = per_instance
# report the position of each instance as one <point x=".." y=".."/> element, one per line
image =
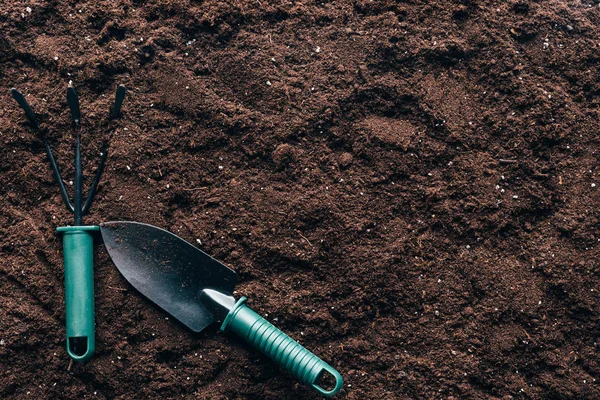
<point x="77" y="239"/>
<point x="196" y="289"/>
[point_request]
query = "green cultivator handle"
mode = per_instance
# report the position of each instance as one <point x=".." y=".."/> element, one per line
<point x="79" y="290"/>
<point x="285" y="351"/>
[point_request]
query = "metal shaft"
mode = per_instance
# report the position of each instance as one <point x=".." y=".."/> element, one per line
<point x="78" y="196"/>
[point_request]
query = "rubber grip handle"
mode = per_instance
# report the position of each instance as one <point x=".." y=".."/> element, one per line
<point x="285" y="351"/>
<point x="78" y="249"/>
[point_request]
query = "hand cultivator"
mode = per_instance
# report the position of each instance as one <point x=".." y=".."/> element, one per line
<point x="77" y="239"/>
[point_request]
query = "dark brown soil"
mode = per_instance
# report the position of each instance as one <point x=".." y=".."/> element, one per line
<point x="410" y="189"/>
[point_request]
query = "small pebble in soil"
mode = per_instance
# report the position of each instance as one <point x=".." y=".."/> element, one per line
<point x="345" y="159"/>
<point x="283" y="155"/>
<point x="593" y="185"/>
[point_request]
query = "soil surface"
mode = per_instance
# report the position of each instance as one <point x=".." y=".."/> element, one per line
<point x="410" y="189"/>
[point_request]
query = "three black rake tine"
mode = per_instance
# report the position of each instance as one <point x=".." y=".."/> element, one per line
<point x="73" y="101"/>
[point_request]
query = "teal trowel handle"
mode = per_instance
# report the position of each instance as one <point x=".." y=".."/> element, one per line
<point x="285" y="351"/>
<point x="79" y="290"/>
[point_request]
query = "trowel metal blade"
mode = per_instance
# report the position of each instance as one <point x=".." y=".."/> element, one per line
<point x="168" y="270"/>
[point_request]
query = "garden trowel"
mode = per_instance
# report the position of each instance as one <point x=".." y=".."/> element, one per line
<point x="198" y="290"/>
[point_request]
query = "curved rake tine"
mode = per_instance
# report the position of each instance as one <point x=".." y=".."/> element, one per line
<point x="73" y="102"/>
<point x="18" y="96"/>
<point x="114" y="113"/>
<point x="20" y="99"/>
<point x="92" y="191"/>
<point x="61" y="185"/>
<point x="119" y="97"/>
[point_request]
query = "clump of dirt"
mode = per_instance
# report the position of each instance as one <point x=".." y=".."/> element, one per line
<point x="410" y="189"/>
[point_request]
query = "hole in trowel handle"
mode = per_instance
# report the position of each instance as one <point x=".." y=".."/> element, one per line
<point x="78" y="345"/>
<point x="326" y="380"/>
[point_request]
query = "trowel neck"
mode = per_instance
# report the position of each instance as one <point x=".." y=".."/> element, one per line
<point x="218" y="303"/>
